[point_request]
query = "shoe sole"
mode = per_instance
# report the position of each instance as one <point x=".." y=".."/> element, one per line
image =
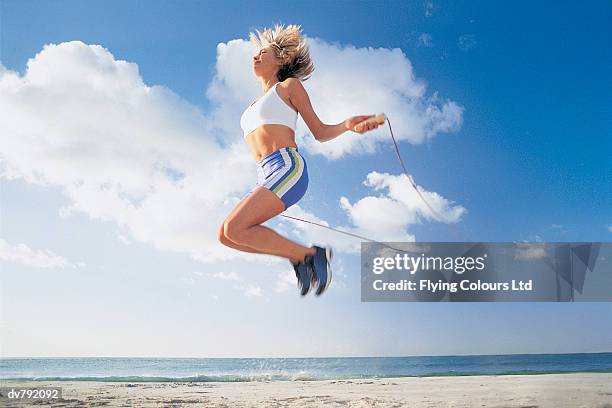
<point x="300" y="289"/>
<point x="307" y="291"/>
<point x="329" y="254"/>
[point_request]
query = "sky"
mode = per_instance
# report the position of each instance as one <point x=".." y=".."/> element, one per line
<point x="121" y="154"/>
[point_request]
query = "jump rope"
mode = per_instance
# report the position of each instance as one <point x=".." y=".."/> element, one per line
<point x="380" y="119"/>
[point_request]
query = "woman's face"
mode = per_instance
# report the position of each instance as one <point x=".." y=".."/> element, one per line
<point x="265" y="62"/>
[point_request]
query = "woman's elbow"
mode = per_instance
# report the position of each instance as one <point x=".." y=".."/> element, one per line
<point x="320" y="134"/>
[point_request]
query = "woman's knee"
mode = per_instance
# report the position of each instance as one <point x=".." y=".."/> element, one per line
<point x="221" y="235"/>
<point x="232" y="230"/>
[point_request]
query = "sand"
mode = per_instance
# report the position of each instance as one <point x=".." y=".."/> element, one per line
<point x="548" y="390"/>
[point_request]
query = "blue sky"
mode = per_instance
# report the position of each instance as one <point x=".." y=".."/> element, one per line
<point x="529" y="159"/>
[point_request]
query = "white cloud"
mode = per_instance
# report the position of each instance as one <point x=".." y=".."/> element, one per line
<point x="533" y="238"/>
<point x="314" y="234"/>
<point x="285" y="281"/>
<point x="187" y="280"/>
<point x="400" y="191"/>
<point x="381" y="218"/>
<point x="466" y="42"/>
<point x="125" y="240"/>
<point x="252" y="291"/>
<point x="24" y="255"/>
<point x="530" y="250"/>
<point x="559" y="228"/>
<point x="429" y="8"/>
<point x="120" y="150"/>
<point x="425" y="40"/>
<point x="609" y="228"/>
<point x="139" y="156"/>
<point x="225" y="275"/>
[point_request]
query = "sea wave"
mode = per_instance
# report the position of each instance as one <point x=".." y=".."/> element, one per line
<point x="289" y="377"/>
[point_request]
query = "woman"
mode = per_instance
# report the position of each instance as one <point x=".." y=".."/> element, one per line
<point x="281" y="63"/>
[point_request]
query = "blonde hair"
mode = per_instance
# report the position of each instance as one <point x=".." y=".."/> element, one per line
<point x="290" y="47"/>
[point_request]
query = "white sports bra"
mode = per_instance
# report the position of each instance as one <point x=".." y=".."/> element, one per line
<point x="267" y="110"/>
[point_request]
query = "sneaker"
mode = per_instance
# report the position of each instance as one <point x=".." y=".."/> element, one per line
<point x="321" y="265"/>
<point x="309" y="260"/>
<point x="303" y="272"/>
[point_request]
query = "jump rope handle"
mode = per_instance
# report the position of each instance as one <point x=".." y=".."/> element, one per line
<point x="380" y="118"/>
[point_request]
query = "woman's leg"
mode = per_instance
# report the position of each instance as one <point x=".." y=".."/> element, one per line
<point x="227" y="242"/>
<point x="242" y="227"/>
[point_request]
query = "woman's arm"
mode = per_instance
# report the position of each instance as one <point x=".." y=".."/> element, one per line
<point x="321" y="132"/>
<point x="329" y="132"/>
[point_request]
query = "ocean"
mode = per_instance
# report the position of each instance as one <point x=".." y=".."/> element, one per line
<point x="291" y="369"/>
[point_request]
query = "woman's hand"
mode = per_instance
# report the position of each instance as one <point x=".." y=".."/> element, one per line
<point x="351" y="122"/>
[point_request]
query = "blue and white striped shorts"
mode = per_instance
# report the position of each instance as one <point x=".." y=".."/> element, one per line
<point x="284" y="173"/>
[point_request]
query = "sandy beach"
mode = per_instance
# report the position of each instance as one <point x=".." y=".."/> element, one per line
<point x="548" y="390"/>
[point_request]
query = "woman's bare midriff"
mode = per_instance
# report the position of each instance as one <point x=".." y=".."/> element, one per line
<point x="266" y="139"/>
